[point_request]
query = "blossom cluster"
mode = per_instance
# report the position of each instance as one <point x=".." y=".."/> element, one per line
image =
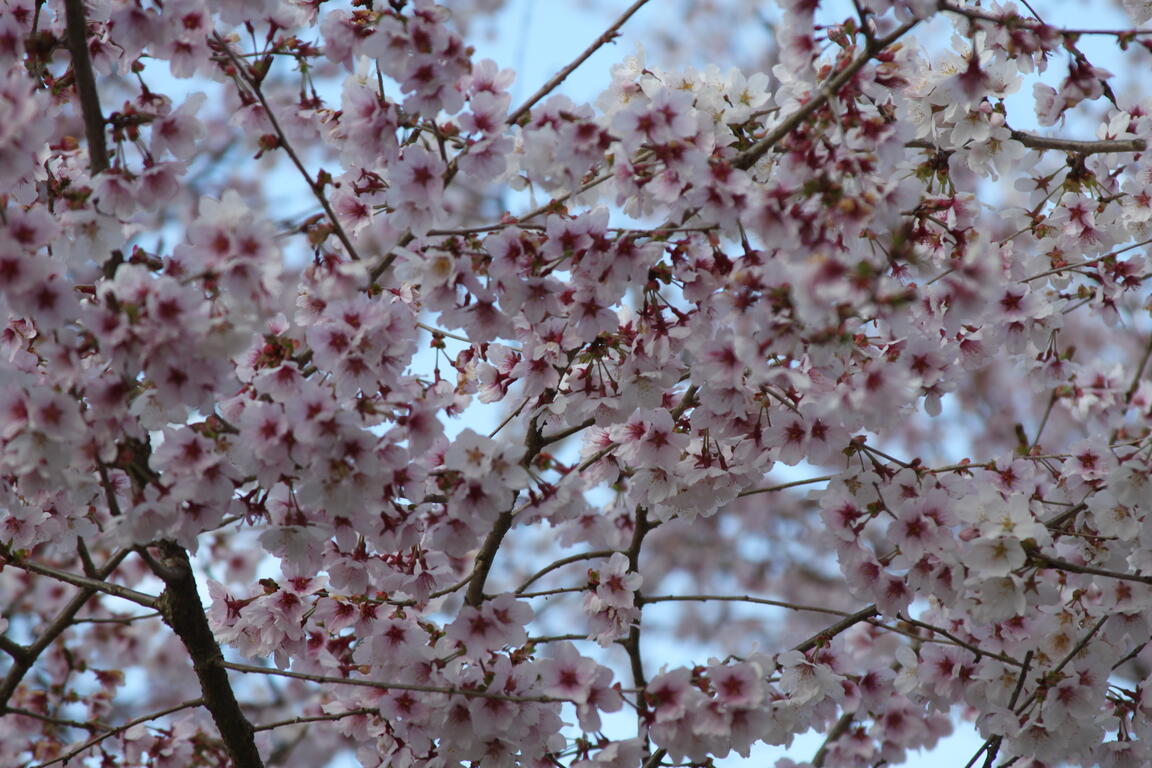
<point x="831" y="373"/>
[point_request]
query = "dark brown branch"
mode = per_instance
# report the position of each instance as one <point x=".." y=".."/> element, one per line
<point x="1135" y="384"/>
<point x="486" y="556"/>
<point x="1008" y="19"/>
<point x="783" y="486"/>
<point x="655" y="758"/>
<point x="1082" y="147"/>
<point x="86" y="85"/>
<point x="12" y="648"/>
<point x="558" y="436"/>
<point x="995" y="741"/>
<point x="183" y="612"/>
<point x="1035" y="695"/>
<point x="844" y="624"/>
<point x="608" y="35"/>
<point x="976" y="650"/>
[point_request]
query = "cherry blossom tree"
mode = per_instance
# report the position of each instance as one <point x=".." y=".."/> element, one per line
<point x="815" y="388"/>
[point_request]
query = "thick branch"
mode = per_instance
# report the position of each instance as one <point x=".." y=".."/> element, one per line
<point x="86" y="85"/>
<point x="12" y="648"/>
<point x="180" y="604"/>
<point x="1083" y="147"/>
<point x="486" y="556"/>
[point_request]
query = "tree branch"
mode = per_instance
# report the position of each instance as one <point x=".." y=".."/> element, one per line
<point x="118" y="729"/>
<point x="22" y="663"/>
<point x="827" y="90"/>
<point x="76" y="580"/>
<point x="86" y="85"/>
<point x="740" y="599"/>
<point x="835" y="732"/>
<point x="486" y="556"/>
<point x="608" y="35"/>
<point x="387" y="686"/>
<point x="632" y="642"/>
<point x="1083" y="147"/>
<point x="314" y="187"/>
<point x="183" y="612"/>
<point x="1044" y="561"/>
<point x="332" y="716"/>
<point x="828" y="633"/>
<point x="782" y="486"/>
<point x="560" y="563"/>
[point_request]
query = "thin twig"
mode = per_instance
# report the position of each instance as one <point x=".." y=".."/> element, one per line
<point x="96" y="585"/>
<point x="387" y="686"/>
<point x="826" y="90"/>
<point x="782" y="486"/>
<point x="23" y="662"/>
<point x="557" y="436"/>
<point x="560" y="563"/>
<point x="995" y="741"/>
<point x="119" y="729"/>
<point x="976" y="650"/>
<point x="332" y="716"/>
<point x="608" y="35"/>
<point x="313" y="186"/>
<point x="1087" y="262"/>
<point x="89" y="726"/>
<point x="741" y="599"/>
